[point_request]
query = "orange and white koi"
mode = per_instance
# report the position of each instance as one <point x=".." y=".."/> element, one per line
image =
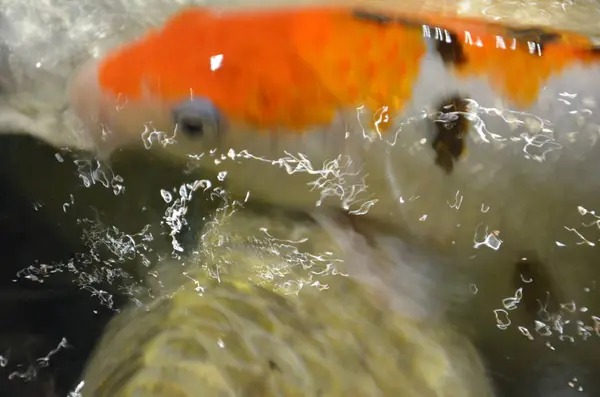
<point x="370" y="111"/>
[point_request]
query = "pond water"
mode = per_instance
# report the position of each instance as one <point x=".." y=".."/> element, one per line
<point x="79" y="238"/>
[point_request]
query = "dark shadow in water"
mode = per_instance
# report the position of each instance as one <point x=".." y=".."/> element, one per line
<point x="535" y="370"/>
<point x="37" y="228"/>
<point x="34" y="316"/>
<point x="545" y="366"/>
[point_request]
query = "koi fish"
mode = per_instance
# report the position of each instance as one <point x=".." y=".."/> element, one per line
<point x="372" y="112"/>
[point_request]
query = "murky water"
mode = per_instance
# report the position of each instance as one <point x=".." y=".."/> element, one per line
<point x="114" y="221"/>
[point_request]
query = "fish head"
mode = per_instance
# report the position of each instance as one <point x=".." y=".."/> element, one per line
<point x="156" y="89"/>
<point x="203" y="78"/>
<point x="116" y="121"/>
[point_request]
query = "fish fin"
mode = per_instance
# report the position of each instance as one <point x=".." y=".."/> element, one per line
<point x="398" y="276"/>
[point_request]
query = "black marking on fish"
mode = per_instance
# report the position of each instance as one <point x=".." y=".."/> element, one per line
<point x="539" y="293"/>
<point x="372" y="16"/>
<point x="451" y="51"/>
<point x="411" y="23"/>
<point x="383" y="19"/>
<point x="536" y="35"/>
<point x="594" y="49"/>
<point x="452" y="127"/>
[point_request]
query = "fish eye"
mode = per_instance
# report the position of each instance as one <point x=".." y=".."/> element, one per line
<point x="198" y="118"/>
<point x="191" y="125"/>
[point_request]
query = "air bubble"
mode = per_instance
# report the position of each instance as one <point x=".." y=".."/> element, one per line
<point x="166" y="196"/>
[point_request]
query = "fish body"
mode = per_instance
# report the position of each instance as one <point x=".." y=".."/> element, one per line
<point x="274" y="313"/>
<point x="471" y="136"/>
<point x="473" y="139"/>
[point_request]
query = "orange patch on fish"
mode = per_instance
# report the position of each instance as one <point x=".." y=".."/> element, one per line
<point x="516" y="61"/>
<point x="275" y="70"/>
<point x="291" y="69"/>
